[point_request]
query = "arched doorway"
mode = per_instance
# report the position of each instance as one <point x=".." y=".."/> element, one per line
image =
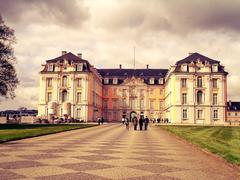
<point x="132" y="115"/>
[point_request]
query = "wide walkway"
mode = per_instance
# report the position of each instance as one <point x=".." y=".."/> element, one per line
<point x="109" y="152"/>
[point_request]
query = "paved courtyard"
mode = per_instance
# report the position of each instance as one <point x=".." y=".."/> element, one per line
<point x="109" y="152"/>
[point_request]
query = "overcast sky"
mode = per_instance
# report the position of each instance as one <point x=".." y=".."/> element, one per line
<point x="105" y="32"/>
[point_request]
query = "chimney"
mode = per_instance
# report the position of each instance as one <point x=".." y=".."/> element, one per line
<point x="190" y="53"/>
<point x="147" y="66"/>
<point x="120" y="66"/>
<point x="80" y="55"/>
<point x="64" y="52"/>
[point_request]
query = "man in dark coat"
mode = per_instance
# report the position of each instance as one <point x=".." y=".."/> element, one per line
<point x="102" y="120"/>
<point x="146" y="121"/>
<point x="135" y="123"/>
<point x="141" y="122"/>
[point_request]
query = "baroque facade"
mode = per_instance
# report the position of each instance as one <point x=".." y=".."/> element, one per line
<point x="193" y="91"/>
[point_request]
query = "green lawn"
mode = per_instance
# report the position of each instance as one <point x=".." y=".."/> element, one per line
<point x="224" y="141"/>
<point x="10" y="132"/>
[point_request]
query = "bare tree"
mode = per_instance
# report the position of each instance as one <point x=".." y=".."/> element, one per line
<point x="8" y="75"/>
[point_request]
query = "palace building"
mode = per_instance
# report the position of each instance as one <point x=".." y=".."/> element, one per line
<point x="192" y="91"/>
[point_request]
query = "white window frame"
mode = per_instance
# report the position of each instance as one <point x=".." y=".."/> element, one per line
<point x="50" y="67"/>
<point x="215" y="98"/>
<point x="106" y="80"/>
<point x="79" y="97"/>
<point x="115" y="80"/>
<point x="215" y="68"/>
<point x="49" y="82"/>
<point x="184" y="67"/>
<point x="79" y="67"/>
<point x="183" y="82"/>
<point x="184" y="98"/>
<point x="160" y="81"/>
<point x="151" y="81"/>
<point x="214" y="83"/>
<point x="199" y="114"/>
<point x="215" y="114"/>
<point x="184" y="114"/>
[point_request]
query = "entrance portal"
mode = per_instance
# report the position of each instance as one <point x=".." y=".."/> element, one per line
<point x="132" y="115"/>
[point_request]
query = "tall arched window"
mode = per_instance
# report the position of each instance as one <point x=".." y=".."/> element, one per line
<point x="64" y="96"/>
<point x="199" y="82"/>
<point x="199" y="97"/>
<point x="64" y="81"/>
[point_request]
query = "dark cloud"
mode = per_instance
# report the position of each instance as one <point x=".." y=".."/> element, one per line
<point x="61" y="12"/>
<point x="203" y="15"/>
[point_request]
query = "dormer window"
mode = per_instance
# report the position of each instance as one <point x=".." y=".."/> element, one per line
<point x="184" y="68"/>
<point x="215" y="68"/>
<point x="160" y="81"/>
<point x="151" y="81"/>
<point x="79" y="67"/>
<point x="50" y="67"/>
<point x="115" y="80"/>
<point x="106" y="80"/>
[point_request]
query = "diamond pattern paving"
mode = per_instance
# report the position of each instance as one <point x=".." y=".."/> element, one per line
<point x="109" y="152"/>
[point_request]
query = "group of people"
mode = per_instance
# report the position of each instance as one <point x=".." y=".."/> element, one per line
<point x="100" y="121"/>
<point x="142" y="122"/>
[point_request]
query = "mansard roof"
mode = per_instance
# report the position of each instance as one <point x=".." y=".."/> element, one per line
<point x="196" y="56"/>
<point x="68" y="56"/>
<point x="133" y="72"/>
<point x="233" y="106"/>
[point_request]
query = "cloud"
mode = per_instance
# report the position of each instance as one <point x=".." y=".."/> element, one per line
<point x="64" y="13"/>
<point x="105" y="32"/>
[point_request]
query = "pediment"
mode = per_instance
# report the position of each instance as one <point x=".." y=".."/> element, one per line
<point x="133" y="81"/>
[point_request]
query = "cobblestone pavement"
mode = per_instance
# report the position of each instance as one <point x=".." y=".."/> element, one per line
<point x="109" y="152"/>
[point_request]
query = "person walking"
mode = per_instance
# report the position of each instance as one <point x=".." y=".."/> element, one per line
<point x="141" y="122"/>
<point x="102" y="120"/>
<point x="99" y="121"/>
<point x="126" y="121"/>
<point x="146" y="121"/>
<point x="135" y="123"/>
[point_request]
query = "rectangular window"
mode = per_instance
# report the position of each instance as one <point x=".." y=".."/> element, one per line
<point x="104" y="103"/>
<point x="79" y="67"/>
<point x="50" y="67"/>
<point x="214" y="83"/>
<point x="115" y="81"/>
<point x="106" y="80"/>
<point x="49" y="82"/>
<point x="124" y="92"/>
<point x="151" y="80"/>
<point x="78" y="113"/>
<point x="114" y="103"/>
<point x="184" y="114"/>
<point x="160" y="81"/>
<point x="124" y="102"/>
<point x="184" y="98"/>
<point x="200" y="114"/>
<point x="141" y="103"/>
<point x="115" y="91"/>
<point x="184" y="68"/>
<point x="49" y="96"/>
<point x="215" y="114"/>
<point x="105" y="92"/>
<point x="236" y="113"/>
<point x="215" y="68"/>
<point x="160" y="91"/>
<point x="160" y="104"/>
<point x="151" y="104"/>
<point x="79" y="97"/>
<point x="199" y="82"/>
<point x="151" y="92"/>
<point x="214" y="99"/>
<point x="115" y="116"/>
<point x="64" y="81"/>
<point x="141" y="92"/>
<point x="184" y="83"/>
<point x="79" y="82"/>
